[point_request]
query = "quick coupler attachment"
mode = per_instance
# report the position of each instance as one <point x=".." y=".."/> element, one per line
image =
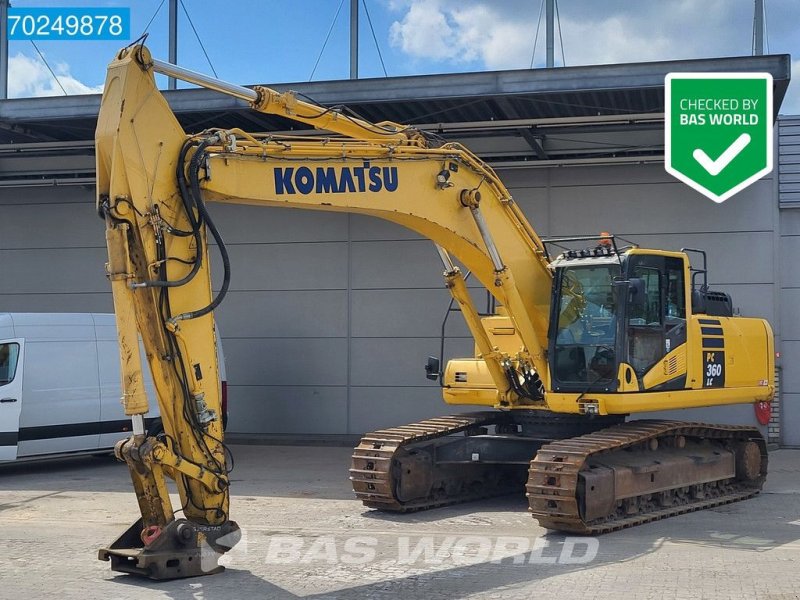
<point x="178" y="550"/>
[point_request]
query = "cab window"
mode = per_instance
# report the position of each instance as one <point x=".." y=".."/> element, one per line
<point x="648" y="312"/>
<point x="656" y="324"/>
<point x="676" y="300"/>
<point x="9" y="354"/>
<point x="675" y="319"/>
<point x="586" y="327"/>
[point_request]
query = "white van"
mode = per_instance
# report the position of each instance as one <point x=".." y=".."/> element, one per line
<point x="60" y="385"/>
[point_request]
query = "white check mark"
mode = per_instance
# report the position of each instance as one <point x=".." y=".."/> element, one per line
<point x="715" y="167"/>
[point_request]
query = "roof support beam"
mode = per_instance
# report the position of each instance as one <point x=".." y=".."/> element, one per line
<point x="535" y="142"/>
<point x="354" y="39"/>
<point x="758" y="29"/>
<point x="549" y="18"/>
<point x="21" y="136"/>
<point x="172" y="83"/>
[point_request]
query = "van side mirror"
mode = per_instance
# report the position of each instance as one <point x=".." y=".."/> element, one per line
<point x="432" y="368"/>
<point x="636" y="292"/>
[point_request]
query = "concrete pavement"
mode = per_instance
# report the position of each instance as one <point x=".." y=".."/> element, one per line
<point x="306" y="537"/>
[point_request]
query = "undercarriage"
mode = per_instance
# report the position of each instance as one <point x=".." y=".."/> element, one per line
<point x="582" y="474"/>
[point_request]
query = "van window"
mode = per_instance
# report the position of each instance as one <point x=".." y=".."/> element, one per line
<point x="9" y="353"/>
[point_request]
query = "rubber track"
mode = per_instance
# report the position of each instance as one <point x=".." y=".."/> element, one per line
<point x="371" y="471"/>
<point x="554" y="472"/>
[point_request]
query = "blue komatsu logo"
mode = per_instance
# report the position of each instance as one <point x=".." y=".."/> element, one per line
<point x="334" y="180"/>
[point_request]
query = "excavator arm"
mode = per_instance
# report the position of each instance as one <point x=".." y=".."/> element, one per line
<point x="159" y="271"/>
<point x="152" y="183"/>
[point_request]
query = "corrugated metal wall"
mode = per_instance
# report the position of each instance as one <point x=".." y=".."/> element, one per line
<point x="789" y="194"/>
<point x="789" y="161"/>
<point x="331" y="316"/>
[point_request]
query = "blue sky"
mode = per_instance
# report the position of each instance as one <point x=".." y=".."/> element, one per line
<point x="278" y="41"/>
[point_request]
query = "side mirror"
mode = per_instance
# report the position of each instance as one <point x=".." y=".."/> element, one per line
<point x="432" y="368"/>
<point x="636" y="292"/>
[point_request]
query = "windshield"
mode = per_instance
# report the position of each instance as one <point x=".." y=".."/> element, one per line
<point x="586" y="327"/>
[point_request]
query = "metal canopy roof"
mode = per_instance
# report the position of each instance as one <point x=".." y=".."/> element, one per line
<point x="508" y="117"/>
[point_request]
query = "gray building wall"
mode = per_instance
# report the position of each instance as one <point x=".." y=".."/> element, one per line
<point x="789" y="197"/>
<point x="330" y="316"/>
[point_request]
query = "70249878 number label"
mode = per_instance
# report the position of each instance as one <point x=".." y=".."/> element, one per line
<point x="69" y="23"/>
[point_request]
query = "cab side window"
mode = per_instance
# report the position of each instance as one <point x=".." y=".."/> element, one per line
<point x="648" y="312"/>
<point x="676" y="301"/>
<point x="657" y="323"/>
<point x="645" y="325"/>
<point x="675" y="321"/>
<point x="9" y="354"/>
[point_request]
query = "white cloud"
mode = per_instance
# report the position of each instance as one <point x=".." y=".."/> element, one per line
<point x="442" y="31"/>
<point x="500" y="35"/>
<point x="425" y="32"/>
<point x="500" y="45"/>
<point x="685" y="29"/>
<point x="30" y="77"/>
<point x="481" y="34"/>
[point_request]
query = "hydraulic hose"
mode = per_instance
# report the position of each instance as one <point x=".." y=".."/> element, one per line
<point x="194" y="180"/>
<point x="188" y="204"/>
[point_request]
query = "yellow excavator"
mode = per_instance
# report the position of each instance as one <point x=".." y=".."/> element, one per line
<point x="580" y="332"/>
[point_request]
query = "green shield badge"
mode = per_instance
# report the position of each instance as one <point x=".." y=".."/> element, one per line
<point x="718" y="130"/>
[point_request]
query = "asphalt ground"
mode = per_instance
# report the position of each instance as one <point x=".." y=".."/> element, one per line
<point x="306" y="537"/>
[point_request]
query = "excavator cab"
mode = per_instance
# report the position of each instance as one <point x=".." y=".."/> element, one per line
<point x="615" y="316"/>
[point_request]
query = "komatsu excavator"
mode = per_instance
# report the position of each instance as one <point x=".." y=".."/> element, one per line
<point x="586" y="331"/>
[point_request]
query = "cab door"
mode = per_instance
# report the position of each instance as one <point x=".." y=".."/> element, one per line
<point x="11" y="352"/>
<point x="656" y="324"/>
